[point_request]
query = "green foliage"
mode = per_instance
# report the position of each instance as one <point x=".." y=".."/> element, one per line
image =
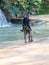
<point x="44" y="11"/>
<point x="16" y="7"/>
<point x="26" y="6"/>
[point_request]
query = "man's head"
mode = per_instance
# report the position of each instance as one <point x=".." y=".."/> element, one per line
<point x="27" y="15"/>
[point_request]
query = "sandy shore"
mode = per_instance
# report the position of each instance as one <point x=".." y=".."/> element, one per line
<point x="26" y="54"/>
<point x="40" y="17"/>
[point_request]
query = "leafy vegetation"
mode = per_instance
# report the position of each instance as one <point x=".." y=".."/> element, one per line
<point x="15" y="7"/>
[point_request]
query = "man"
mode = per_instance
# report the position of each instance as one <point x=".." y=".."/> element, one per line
<point x="27" y="29"/>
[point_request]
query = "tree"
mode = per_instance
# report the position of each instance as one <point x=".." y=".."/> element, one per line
<point x="16" y="7"/>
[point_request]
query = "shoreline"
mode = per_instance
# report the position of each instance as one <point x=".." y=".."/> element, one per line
<point x="27" y="54"/>
<point x="6" y="44"/>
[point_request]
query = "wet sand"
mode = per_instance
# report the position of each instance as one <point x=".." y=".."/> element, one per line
<point x="25" y="54"/>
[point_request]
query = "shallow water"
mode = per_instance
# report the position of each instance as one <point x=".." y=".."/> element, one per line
<point x="13" y="35"/>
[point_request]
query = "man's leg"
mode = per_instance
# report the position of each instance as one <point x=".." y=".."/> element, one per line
<point x="30" y="36"/>
<point x="25" y="37"/>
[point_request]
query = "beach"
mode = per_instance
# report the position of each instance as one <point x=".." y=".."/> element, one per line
<point x="25" y="54"/>
<point x="14" y="16"/>
<point x="13" y="50"/>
